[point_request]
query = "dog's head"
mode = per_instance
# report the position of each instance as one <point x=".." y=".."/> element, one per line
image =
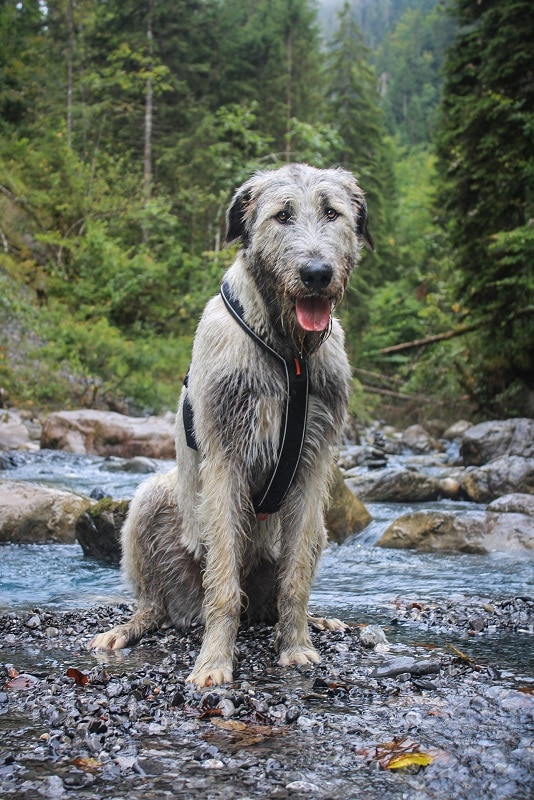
<point x="302" y="230"/>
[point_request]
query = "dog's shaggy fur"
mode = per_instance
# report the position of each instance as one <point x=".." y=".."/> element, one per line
<point x="193" y="547"/>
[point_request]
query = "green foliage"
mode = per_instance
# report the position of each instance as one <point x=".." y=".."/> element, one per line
<point x="126" y="126"/>
<point x="106" y="367"/>
<point x="486" y="150"/>
<point x="409" y="62"/>
<point x="353" y="100"/>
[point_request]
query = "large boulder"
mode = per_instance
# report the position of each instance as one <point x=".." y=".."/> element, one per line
<point x="419" y="440"/>
<point x="457" y="429"/>
<point x="510" y="522"/>
<point x="499" y="477"/>
<point x="507" y="525"/>
<point x="346" y="514"/>
<point x="432" y="531"/>
<point x="393" y="485"/>
<point x="490" y="440"/>
<point x="13" y="432"/>
<point x="32" y="514"/>
<point x="106" y="433"/>
<point x="98" y="529"/>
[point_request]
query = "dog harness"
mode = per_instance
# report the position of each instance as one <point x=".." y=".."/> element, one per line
<point x="293" y="429"/>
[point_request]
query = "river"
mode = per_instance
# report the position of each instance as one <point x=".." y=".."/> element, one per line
<point x="356" y="581"/>
<point x="127" y="725"/>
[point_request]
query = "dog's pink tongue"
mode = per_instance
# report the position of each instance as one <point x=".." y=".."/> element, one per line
<point x="313" y="313"/>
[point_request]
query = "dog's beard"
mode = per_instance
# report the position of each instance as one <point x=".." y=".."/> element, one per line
<point x="281" y="310"/>
<point x="306" y="342"/>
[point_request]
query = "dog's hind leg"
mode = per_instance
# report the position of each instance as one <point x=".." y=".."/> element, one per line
<point x="165" y="577"/>
<point x="324" y="624"/>
<point x="143" y="621"/>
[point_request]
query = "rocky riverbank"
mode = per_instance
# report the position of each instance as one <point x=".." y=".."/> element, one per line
<point x="376" y="719"/>
<point x="426" y="704"/>
<point x="490" y="463"/>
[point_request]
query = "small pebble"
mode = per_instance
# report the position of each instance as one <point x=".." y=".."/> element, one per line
<point x="372" y="635"/>
<point x="301" y="786"/>
<point x="227" y="707"/>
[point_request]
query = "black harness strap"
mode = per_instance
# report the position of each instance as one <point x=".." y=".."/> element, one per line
<point x="293" y="429"/>
<point x="187" y="413"/>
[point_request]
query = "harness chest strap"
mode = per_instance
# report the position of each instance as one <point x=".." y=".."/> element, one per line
<point x="293" y="428"/>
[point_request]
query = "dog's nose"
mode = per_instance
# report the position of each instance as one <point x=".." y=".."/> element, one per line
<point x="316" y="274"/>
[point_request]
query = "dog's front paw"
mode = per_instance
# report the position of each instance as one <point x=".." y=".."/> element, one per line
<point x="299" y="655"/>
<point x="114" y="639"/>
<point x="205" y="675"/>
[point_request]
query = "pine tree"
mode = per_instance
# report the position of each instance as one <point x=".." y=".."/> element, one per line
<point x="353" y="107"/>
<point x="486" y="151"/>
<point x="270" y="54"/>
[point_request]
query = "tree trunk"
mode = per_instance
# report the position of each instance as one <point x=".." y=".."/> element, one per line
<point x="149" y="107"/>
<point x="70" y="70"/>
<point x="289" y="98"/>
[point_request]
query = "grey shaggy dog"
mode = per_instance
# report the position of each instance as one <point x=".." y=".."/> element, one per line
<point x="193" y="547"/>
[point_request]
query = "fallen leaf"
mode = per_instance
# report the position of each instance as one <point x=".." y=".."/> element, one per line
<point x="401" y="753"/>
<point x="245" y="727"/>
<point x="79" y="677"/>
<point x="240" y="733"/>
<point x="208" y="713"/>
<point x="86" y="764"/>
<point x="321" y="684"/>
<point x="230" y="724"/>
<point x="22" y="681"/>
<point x="410" y="759"/>
<point x="462" y="656"/>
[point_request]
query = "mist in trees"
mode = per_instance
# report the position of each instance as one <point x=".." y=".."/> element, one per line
<point x="125" y="126"/>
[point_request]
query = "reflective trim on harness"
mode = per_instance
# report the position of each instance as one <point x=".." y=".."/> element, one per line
<point x="293" y="428"/>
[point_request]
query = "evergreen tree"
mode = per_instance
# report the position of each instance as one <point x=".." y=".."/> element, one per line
<point x="486" y="151"/>
<point x="353" y="107"/>
<point x="269" y="53"/>
<point x="20" y="27"/>
<point x="409" y="62"/>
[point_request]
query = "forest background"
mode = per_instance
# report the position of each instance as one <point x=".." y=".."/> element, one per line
<point x="125" y="125"/>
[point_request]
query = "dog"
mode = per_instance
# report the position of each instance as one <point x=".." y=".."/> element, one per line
<point x="209" y="542"/>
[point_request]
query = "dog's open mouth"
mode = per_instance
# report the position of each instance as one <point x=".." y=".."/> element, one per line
<point x="313" y="313"/>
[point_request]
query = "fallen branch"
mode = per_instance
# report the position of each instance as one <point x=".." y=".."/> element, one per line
<point x="438" y="337"/>
<point x="377" y="376"/>
<point x="418" y="398"/>
<point x="441" y="337"/>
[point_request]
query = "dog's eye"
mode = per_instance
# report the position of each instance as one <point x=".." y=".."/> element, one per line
<point x="331" y="214"/>
<point x="283" y="217"/>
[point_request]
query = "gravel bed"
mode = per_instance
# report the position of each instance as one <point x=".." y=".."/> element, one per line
<point x="513" y="614"/>
<point x="376" y="719"/>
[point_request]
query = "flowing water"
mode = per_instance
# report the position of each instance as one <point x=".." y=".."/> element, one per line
<point x="474" y="724"/>
<point x="356" y="581"/>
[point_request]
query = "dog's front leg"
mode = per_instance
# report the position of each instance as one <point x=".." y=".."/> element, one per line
<point x="303" y="540"/>
<point x="221" y="516"/>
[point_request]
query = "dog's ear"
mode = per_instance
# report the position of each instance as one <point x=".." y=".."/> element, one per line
<point x="359" y="205"/>
<point x="236" y="216"/>
<point x="362" y="222"/>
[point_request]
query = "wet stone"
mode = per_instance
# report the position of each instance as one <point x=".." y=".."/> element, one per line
<point x="393" y="668"/>
<point x="372" y="635"/>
